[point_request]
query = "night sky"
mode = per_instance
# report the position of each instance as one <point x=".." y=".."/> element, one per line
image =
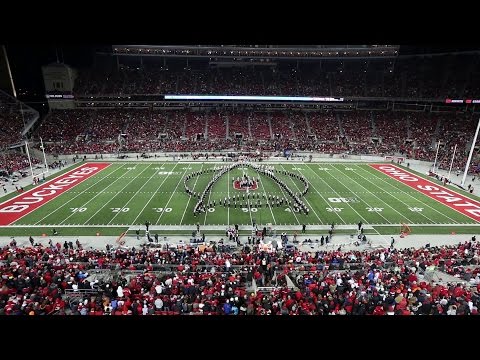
<point x="26" y="62"/>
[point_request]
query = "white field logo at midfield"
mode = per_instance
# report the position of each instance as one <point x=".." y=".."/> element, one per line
<point x="34" y="198"/>
<point x="452" y="199"/>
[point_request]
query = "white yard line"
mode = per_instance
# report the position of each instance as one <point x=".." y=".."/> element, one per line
<point x="250" y="210"/>
<point x="173" y="193"/>
<point x="310" y="205"/>
<point x="209" y="195"/>
<point x="110" y="200"/>
<point x="248" y="200"/>
<point x="217" y="192"/>
<point x="407" y="193"/>
<point x="155" y="193"/>
<point x="368" y="191"/>
<point x="333" y="190"/>
<point x="266" y="198"/>
<point x="320" y="194"/>
<point x="190" y="198"/>
<point x="133" y="196"/>
<point x="228" y="195"/>
<point x="281" y="189"/>
<point x="346" y="187"/>
<point x="68" y="201"/>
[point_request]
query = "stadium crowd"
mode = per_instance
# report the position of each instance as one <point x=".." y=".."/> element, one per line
<point x="196" y="280"/>
<point x="12" y="162"/>
<point x="413" y="135"/>
<point x="442" y="76"/>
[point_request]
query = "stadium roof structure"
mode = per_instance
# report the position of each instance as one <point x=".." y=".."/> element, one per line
<point x="246" y="52"/>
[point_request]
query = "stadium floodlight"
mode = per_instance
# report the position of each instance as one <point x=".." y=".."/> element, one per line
<point x="471" y="154"/>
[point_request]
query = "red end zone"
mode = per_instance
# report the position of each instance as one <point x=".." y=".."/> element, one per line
<point x="452" y="199"/>
<point x="23" y="204"/>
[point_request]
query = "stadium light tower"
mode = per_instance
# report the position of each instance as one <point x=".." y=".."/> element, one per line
<point x="471" y="154"/>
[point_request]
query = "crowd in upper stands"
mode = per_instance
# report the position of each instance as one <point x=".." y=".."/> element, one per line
<point x="435" y="77"/>
<point x="215" y="280"/>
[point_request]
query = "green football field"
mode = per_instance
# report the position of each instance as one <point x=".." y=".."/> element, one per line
<point x="128" y="194"/>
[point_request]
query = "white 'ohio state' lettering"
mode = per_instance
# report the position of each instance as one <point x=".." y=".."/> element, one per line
<point x="14" y="208"/>
<point x="37" y="193"/>
<point x="400" y="174"/>
<point x="66" y="181"/>
<point x="427" y="187"/>
<point x="33" y="200"/>
<point x="474" y="212"/>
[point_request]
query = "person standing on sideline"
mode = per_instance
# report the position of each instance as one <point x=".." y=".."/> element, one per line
<point x="147" y="224"/>
<point x="303" y="228"/>
<point x="392" y="242"/>
<point x="360" y="225"/>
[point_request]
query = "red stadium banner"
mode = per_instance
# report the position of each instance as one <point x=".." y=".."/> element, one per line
<point x="23" y="204"/>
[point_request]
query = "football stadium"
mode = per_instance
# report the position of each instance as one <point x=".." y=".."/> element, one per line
<point x="242" y="180"/>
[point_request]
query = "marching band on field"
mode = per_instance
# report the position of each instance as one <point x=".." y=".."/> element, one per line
<point x="247" y="199"/>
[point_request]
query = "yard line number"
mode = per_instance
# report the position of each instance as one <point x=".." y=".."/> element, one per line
<point x="116" y="210"/>
<point x="159" y="210"/>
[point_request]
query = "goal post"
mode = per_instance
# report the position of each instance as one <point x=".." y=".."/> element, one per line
<point x="44" y="170"/>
